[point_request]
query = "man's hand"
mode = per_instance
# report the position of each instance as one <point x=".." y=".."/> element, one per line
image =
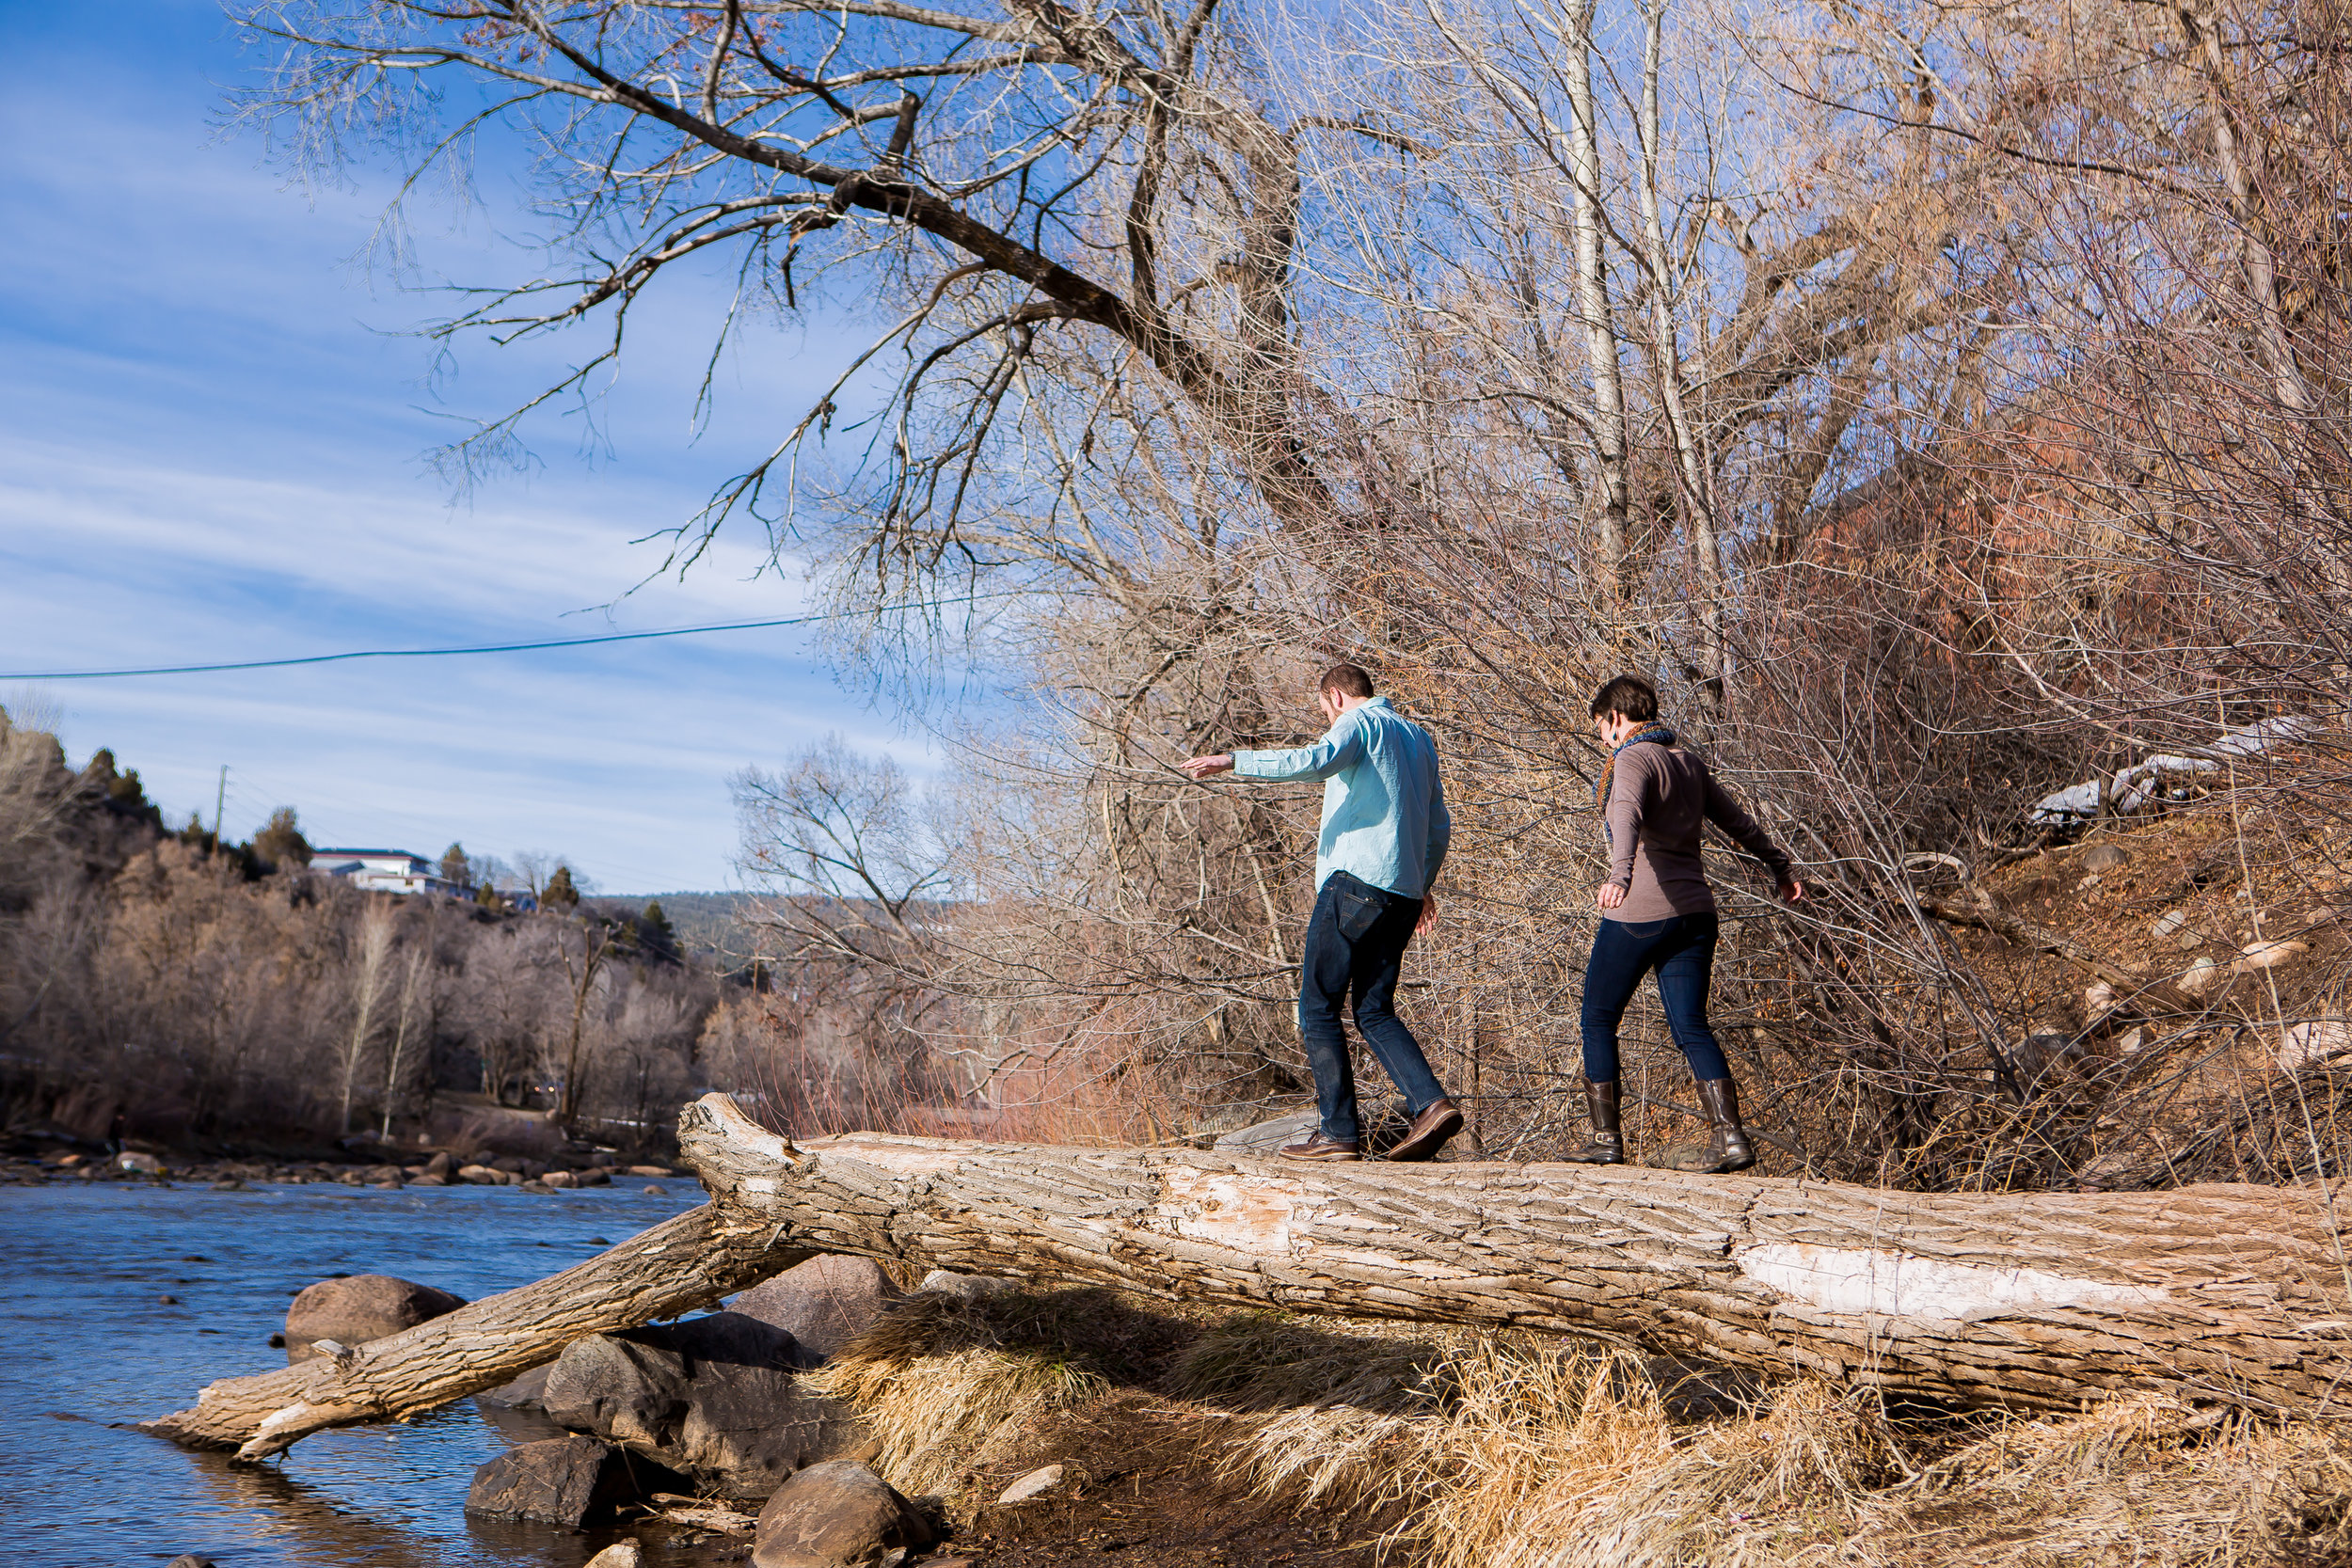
<point x="1200" y="767"/>
<point x="1428" y="921"/>
<point x="1792" y="892"/>
<point x="1610" y="897"/>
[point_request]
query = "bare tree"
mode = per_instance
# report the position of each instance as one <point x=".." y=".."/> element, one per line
<point x="367" y="992"/>
<point x="1012" y="173"/>
<point x="416" y="1014"/>
<point x="584" y="946"/>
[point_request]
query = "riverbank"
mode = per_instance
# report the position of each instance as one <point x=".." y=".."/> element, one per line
<point x="29" y="1161"/>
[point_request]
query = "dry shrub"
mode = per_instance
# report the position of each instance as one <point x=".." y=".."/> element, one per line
<point x="502" y="1131"/>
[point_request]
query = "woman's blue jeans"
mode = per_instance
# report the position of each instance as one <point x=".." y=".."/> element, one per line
<point x="1682" y="951"/>
<point x="1356" y="945"/>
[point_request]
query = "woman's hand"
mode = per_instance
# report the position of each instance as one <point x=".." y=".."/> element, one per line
<point x="1610" y="897"/>
<point x="1792" y="892"/>
<point x="1428" y="921"/>
<point x="1200" y="767"/>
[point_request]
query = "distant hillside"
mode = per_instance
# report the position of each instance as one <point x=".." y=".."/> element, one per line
<point x="716" y="926"/>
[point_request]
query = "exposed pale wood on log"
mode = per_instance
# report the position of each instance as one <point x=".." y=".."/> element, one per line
<point x="675" y="1267"/>
<point x="2228" y="1294"/>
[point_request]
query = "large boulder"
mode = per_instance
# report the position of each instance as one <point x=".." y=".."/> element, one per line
<point x="572" y="1481"/>
<point x="360" y="1307"/>
<point x="717" y="1398"/>
<point x="837" y="1516"/>
<point x="823" y="1304"/>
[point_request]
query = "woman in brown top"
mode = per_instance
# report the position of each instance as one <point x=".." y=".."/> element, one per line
<point x="1656" y="912"/>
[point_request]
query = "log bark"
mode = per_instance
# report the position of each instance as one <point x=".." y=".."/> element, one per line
<point x="2230" y="1294"/>
<point x="673" y="1268"/>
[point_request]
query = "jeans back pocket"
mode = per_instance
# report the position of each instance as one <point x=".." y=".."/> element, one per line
<point x="1360" y="909"/>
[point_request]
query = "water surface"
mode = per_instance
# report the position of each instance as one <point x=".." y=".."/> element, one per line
<point x="89" y="1347"/>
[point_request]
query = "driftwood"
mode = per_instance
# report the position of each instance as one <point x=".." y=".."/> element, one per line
<point x="2233" y="1294"/>
<point x="673" y="1268"/>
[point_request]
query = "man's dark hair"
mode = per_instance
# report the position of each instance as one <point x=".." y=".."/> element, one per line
<point x="1627" y="697"/>
<point x="1348" y="680"/>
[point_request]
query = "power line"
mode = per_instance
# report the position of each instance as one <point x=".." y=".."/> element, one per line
<point x="498" y="647"/>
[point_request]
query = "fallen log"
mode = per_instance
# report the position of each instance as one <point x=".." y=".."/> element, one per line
<point x="2232" y="1294"/>
<point x="673" y="1268"/>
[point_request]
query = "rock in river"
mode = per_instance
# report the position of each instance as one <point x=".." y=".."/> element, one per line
<point x="518" y="1409"/>
<point x="837" y="1516"/>
<point x="360" y="1307"/>
<point x="572" y="1481"/>
<point x="527" y="1391"/>
<point x="717" y="1398"/>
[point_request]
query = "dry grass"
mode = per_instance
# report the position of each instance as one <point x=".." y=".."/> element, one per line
<point x="1509" y="1451"/>
<point x="935" y="1380"/>
<point x="1506" y="1451"/>
<point x="1477" y="1450"/>
<point x="2138" y="1482"/>
<point x="938" y="1378"/>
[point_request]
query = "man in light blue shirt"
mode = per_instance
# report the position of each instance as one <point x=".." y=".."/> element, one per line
<point x="1385" y="832"/>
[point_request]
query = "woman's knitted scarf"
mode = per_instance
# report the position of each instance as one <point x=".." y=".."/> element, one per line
<point x="1651" y="731"/>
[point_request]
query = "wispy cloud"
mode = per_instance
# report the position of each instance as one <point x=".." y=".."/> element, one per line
<point x="212" y="453"/>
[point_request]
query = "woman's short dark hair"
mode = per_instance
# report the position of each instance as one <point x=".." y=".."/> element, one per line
<point x="1627" y="697"/>
<point x="1348" y="680"/>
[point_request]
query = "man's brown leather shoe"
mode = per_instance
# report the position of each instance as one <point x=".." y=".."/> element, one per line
<point x="1321" y="1147"/>
<point x="1429" y="1133"/>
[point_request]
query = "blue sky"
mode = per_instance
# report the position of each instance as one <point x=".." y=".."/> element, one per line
<point x="212" y="432"/>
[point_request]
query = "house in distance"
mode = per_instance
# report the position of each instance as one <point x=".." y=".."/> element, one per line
<point x="387" y="871"/>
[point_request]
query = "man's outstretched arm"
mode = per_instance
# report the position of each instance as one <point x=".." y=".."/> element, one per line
<point x="1335" y="752"/>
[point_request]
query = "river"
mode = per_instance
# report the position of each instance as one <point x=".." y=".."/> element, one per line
<point x="91" y="1348"/>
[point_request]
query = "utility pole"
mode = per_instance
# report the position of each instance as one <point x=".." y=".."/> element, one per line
<point x="220" y="798"/>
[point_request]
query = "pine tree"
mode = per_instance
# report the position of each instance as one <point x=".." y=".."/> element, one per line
<point x="655" y="933"/>
<point x="281" y="840"/>
<point x="455" y="867"/>
<point x="125" y="795"/>
<point x="559" y="893"/>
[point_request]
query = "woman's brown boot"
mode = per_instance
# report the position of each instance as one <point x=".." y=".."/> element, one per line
<point x="1606" y="1147"/>
<point x="1726" y="1147"/>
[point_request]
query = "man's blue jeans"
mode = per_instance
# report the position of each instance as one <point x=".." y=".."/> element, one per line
<point x="1356" y="947"/>
<point x="1682" y="951"/>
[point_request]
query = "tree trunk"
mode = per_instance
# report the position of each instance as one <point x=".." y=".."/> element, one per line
<point x="675" y="1267"/>
<point x="1611" y="438"/>
<point x="2235" y="1295"/>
